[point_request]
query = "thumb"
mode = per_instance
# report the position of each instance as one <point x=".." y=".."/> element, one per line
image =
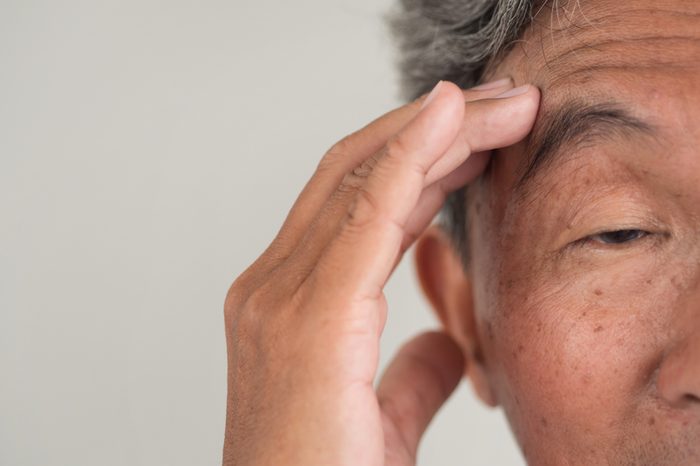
<point x="417" y="382"/>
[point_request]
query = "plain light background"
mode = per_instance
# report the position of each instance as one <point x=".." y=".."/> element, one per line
<point x="149" y="151"/>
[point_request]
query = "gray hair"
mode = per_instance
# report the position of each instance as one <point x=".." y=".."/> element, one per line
<point x="455" y="40"/>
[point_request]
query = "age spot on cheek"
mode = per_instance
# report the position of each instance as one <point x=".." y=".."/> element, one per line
<point x="598" y="328"/>
<point x="517" y="352"/>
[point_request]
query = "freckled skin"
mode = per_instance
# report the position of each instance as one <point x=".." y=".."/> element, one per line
<point x="592" y="350"/>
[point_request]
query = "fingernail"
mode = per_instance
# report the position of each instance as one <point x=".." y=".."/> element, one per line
<point x="492" y="85"/>
<point x="513" y="92"/>
<point x="431" y="96"/>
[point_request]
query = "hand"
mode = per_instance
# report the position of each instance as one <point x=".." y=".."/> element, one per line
<point x="303" y="322"/>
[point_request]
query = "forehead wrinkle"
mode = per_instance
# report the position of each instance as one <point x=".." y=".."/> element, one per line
<point x="566" y="79"/>
<point x="624" y="55"/>
<point x="644" y="13"/>
<point x="602" y="22"/>
<point x="607" y="32"/>
<point x="591" y="50"/>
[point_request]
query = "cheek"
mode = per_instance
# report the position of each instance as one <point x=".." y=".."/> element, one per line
<point x="572" y="355"/>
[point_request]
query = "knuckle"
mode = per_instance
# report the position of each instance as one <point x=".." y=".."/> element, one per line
<point x="245" y="306"/>
<point x="342" y="147"/>
<point x="260" y="300"/>
<point x="338" y="151"/>
<point x="367" y="166"/>
<point x="265" y="329"/>
<point x="354" y="180"/>
<point x="400" y="154"/>
<point x="241" y="288"/>
<point x="350" y="183"/>
<point x="246" y="326"/>
<point x="246" y="323"/>
<point x="335" y="158"/>
<point x="364" y="210"/>
<point x="396" y="149"/>
<point x="235" y="297"/>
<point x="328" y="162"/>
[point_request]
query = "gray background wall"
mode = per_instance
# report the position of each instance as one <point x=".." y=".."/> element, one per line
<point x="149" y="151"/>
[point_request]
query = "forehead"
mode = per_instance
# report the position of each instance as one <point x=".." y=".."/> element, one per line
<point x="643" y="54"/>
<point x="598" y="46"/>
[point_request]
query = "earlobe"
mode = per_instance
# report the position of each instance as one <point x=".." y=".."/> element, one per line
<point x="449" y="291"/>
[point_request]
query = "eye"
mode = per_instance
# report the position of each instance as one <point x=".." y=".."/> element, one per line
<point x="618" y="236"/>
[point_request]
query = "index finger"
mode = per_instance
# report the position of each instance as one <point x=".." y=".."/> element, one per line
<point x="371" y="237"/>
<point x="344" y="156"/>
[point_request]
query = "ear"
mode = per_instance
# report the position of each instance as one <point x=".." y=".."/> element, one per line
<point x="448" y="288"/>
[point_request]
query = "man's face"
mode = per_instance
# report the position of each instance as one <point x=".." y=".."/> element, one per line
<point x="585" y="240"/>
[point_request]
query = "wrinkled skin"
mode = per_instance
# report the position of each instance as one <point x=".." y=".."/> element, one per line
<point x="591" y="346"/>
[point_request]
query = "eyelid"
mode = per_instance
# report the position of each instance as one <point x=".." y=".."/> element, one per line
<point x="598" y="237"/>
<point x="608" y="208"/>
<point x="655" y="235"/>
<point x="621" y="227"/>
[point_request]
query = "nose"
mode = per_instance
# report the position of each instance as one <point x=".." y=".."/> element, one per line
<point x="679" y="375"/>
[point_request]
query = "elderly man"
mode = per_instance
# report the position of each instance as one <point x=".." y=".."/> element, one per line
<point x="567" y="270"/>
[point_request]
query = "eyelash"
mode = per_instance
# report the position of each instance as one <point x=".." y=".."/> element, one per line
<point x="616" y="238"/>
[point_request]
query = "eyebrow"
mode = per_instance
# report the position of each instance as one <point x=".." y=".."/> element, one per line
<point x="576" y="124"/>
